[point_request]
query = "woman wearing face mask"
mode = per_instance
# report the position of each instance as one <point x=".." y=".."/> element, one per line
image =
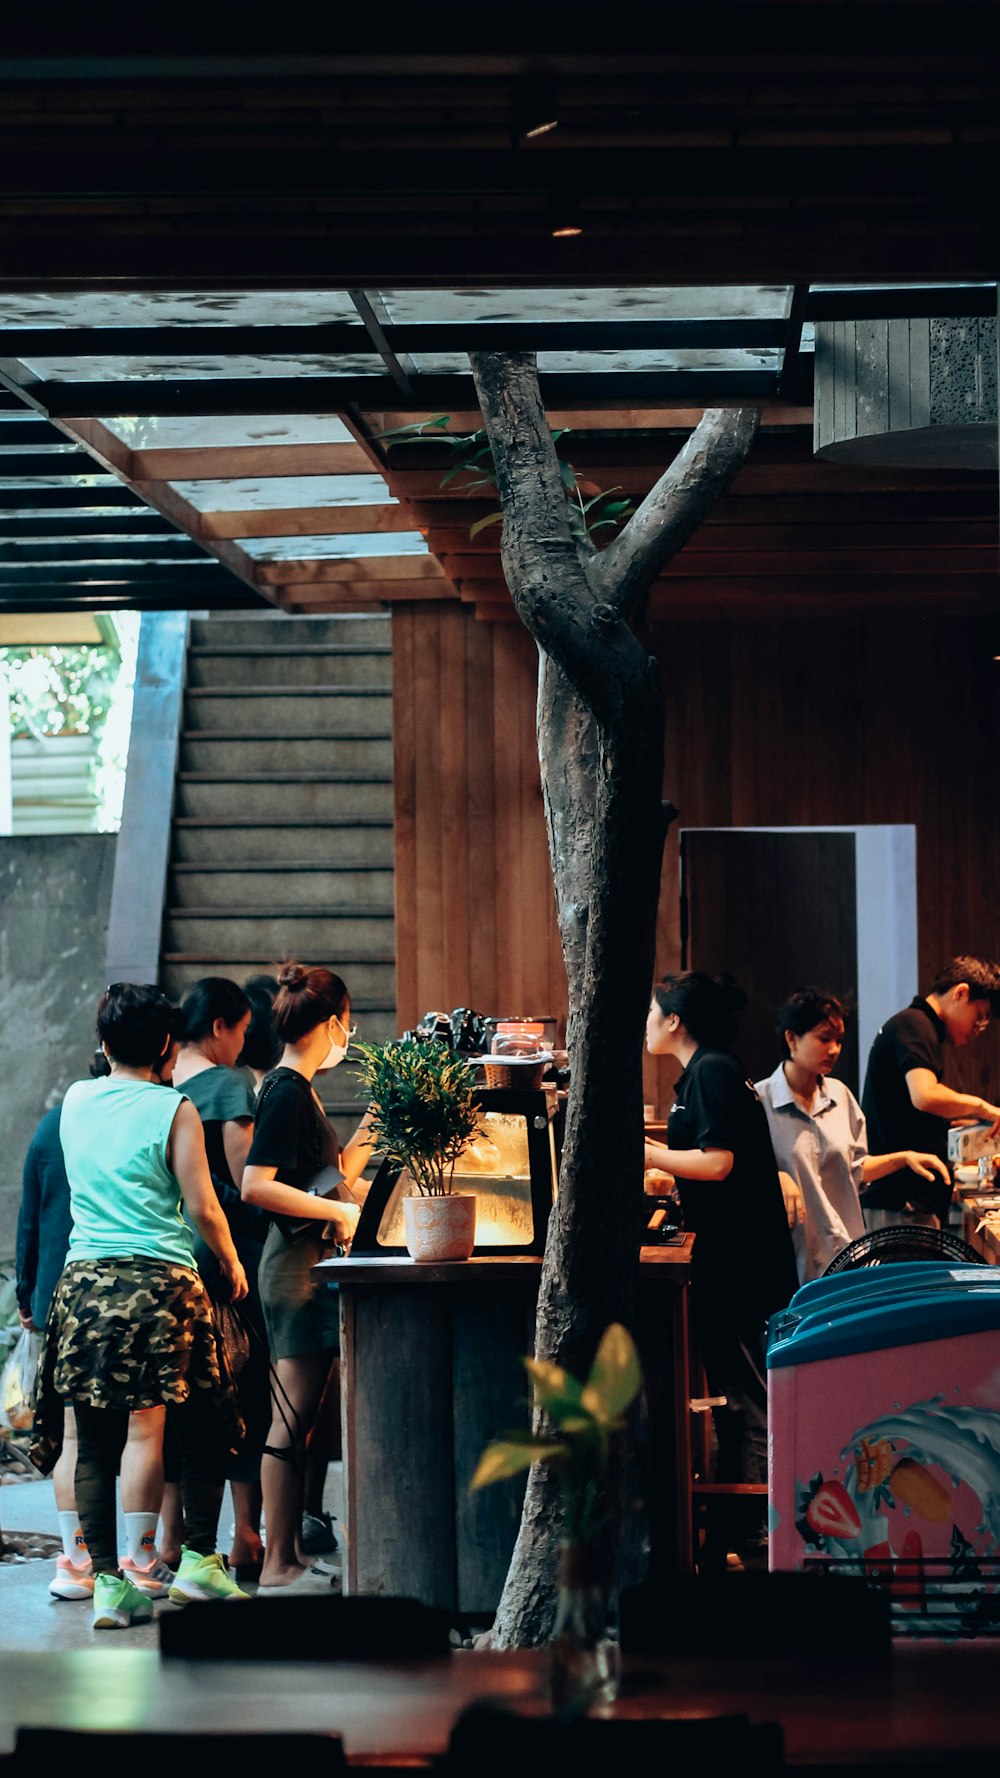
<point x="293" y="1143"/>
<point x="819" y="1133"/>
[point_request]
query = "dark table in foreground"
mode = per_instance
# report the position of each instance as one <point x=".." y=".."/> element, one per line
<point x="433" y="1370"/>
<point x="927" y="1701"/>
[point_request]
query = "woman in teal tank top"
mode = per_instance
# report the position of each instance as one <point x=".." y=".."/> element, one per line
<point x="131" y="1326"/>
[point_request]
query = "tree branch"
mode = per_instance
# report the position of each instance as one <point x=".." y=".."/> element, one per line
<point x="685" y="492"/>
<point x="550" y="578"/>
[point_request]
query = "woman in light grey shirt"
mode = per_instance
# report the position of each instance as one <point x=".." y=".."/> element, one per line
<point x="819" y="1135"/>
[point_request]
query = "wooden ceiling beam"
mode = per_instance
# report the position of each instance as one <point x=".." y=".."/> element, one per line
<point x="306" y="521"/>
<point x="229" y="462"/>
<point x="411" y="569"/>
<point x="195" y="397"/>
<point x="858" y="237"/>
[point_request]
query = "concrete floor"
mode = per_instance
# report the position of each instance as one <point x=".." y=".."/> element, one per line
<point x="31" y="1620"/>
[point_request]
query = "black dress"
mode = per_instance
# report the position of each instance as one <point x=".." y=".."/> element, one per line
<point x="292" y="1135"/>
<point x="743" y="1267"/>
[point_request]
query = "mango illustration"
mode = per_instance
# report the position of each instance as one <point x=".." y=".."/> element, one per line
<point x="875" y="1459"/>
<point x="913" y="1486"/>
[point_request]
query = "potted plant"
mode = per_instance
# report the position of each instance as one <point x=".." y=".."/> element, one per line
<point x="587" y="1420"/>
<point x="423" y="1113"/>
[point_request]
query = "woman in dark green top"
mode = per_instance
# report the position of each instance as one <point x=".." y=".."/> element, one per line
<point x="217" y="1014"/>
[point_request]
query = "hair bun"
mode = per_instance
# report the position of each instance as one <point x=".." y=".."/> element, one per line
<point x="293" y="977"/>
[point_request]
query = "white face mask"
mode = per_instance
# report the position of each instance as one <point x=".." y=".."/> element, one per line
<point x="335" y="1054"/>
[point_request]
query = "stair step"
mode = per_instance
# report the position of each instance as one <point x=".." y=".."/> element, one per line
<point x="372" y="986"/>
<point x="331" y="710"/>
<point x="297" y="650"/>
<point x="229" y="752"/>
<point x="321" y="910"/>
<point x="205" y="844"/>
<point x="303" y="799"/>
<point x="291" y="668"/>
<point x="330" y="689"/>
<point x="244" y="887"/>
<point x="359" y="627"/>
<point x="281" y="777"/>
<point x="354" y="932"/>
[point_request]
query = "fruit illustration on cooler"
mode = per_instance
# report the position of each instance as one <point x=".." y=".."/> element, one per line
<point x="875" y="1459"/>
<point x="913" y="1485"/>
<point x="831" y="1512"/>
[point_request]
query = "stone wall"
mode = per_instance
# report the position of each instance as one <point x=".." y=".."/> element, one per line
<point x="55" y="894"/>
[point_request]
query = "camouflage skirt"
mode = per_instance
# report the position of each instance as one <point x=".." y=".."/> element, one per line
<point x="129" y="1333"/>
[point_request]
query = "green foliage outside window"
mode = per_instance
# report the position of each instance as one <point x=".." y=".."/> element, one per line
<point x="59" y="690"/>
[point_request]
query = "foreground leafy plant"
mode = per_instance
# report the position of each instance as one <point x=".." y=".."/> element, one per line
<point x="422" y="1108"/>
<point x="588" y="1417"/>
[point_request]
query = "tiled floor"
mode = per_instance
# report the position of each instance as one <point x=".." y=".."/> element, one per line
<point x="30" y="1619"/>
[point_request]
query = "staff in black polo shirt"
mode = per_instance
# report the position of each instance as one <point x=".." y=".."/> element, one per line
<point x="719" y="1151"/>
<point x="906" y="1102"/>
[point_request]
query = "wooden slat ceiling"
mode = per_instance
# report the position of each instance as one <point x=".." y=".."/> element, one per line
<point x="186" y="498"/>
<point x="266" y="247"/>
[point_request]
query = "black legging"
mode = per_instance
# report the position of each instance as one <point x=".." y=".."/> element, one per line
<point x="101" y="1436"/>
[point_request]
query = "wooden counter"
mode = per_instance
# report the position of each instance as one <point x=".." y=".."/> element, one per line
<point x="925" y="1704"/>
<point x="433" y="1371"/>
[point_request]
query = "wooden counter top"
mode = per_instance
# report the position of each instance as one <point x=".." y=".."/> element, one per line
<point x="931" y="1703"/>
<point x="669" y="1265"/>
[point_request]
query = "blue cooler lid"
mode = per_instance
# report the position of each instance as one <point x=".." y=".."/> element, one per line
<point x="841" y="1294"/>
<point x="873" y="1320"/>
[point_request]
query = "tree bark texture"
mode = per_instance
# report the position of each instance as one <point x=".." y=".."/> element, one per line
<point x="600" y="741"/>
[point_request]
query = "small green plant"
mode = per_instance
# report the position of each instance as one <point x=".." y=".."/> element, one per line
<point x="422" y="1108"/>
<point x="588" y="1417"/>
<point x="590" y="508"/>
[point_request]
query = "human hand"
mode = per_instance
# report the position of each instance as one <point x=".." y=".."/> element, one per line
<point x="795" y="1207"/>
<point x="235" y="1276"/>
<point x="26" y="1322"/>
<point x="342" y="1222"/>
<point x="992" y="1111"/>
<point x="925" y="1166"/>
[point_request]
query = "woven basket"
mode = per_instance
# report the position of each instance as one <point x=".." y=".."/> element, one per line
<point x="499" y="1075"/>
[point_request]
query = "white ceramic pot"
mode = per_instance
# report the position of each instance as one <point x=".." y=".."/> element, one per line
<point x="440" y="1228"/>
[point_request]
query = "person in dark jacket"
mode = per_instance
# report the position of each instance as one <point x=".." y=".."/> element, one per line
<point x="718" y="1151"/>
<point x="905" y="1099"/>
<point x="44" y="1223"/>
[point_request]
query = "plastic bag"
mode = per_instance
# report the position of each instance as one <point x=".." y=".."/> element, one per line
<point x="17" y="1382"/>
<point x="233" y="1338"/>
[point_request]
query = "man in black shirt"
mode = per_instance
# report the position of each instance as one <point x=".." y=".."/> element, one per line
<point x="905" y="1100"/>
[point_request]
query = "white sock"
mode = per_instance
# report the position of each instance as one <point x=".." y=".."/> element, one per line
<point x="74" y="1542"/>
<point x="140" y="1532"/>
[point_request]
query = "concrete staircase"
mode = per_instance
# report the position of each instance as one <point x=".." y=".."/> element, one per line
<point x="282" y="840"/>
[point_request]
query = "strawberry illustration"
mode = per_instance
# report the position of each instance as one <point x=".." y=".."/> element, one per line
<point x="832" y="1513"/>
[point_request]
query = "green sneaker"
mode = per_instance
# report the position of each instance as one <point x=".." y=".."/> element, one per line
<point x="203" y="1577"/>
<point x="117" y="1603"/>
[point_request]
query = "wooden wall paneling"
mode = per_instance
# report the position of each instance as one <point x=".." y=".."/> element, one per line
<point x="430" y="769"/>
<point x="458" y="914"/>
<point x="404" y="768"/>
<point x="482" y="988"/>
<point x="508" y="908"/>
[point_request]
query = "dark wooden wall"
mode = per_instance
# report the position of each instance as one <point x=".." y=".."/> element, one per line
<point x="475" y="913"/>
<point x="834" y="720"/>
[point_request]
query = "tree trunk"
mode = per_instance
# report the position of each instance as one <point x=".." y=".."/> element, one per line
<point x="600" y="743"/>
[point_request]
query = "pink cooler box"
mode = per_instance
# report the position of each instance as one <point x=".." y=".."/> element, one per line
<point x="884" y="1439"/>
